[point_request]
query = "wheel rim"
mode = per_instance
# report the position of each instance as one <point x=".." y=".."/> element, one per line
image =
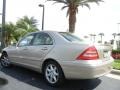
<point x="52" y="73"/>
<point x="5" y="61"/>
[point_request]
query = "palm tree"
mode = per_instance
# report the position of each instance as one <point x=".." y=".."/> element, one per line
<point x="101" y="35"/>
<point x="72" y="6"/>
<point x="114" y="42"/>
<point x="30" y="21"/>
<point x="9" y="33"/>
<point x="114" y="35"/>
<point x="25" y="25"/>
<point x="92" y="37"/>
<point x="118" y="36"/>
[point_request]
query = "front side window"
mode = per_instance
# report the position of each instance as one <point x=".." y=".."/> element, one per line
<point x="26" y="41"/>
<point x="42" y="39"/>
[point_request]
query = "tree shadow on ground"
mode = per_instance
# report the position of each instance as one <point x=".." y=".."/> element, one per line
<point x="35" y="79"/>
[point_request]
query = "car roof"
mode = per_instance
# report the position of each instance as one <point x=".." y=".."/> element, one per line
<point x="47" y="31"/>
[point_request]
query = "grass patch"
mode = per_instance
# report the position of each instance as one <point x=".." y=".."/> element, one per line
<point x="116" y="64"/>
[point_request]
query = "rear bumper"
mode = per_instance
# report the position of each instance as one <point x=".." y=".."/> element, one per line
<point x="78" y="70"/>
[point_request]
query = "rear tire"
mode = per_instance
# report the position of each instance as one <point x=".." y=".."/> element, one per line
<point x="53" y="74"/>
<point x="4" y="60"/>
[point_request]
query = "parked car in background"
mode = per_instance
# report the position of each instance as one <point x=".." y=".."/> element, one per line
<point x="59" y="56"/>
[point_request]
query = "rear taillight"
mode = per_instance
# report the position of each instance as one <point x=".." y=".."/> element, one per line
<point x="89" y="54"/>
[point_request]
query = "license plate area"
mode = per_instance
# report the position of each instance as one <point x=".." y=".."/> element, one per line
<point x="106" y="55"/>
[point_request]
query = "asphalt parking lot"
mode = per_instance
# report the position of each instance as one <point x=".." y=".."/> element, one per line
<point x="18" y="78"/>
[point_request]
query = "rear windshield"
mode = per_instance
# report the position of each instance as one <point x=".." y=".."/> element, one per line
<point x="70" y="37"/>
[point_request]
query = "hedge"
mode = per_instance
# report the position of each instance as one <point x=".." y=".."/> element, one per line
<point x="116" y="54"/>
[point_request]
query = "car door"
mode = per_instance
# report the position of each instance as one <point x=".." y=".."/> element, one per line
<point x="39" y="47"/>
<point x="22" y="49"/>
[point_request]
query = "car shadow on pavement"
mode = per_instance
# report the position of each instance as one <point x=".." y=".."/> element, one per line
<point x="35" y="79"/>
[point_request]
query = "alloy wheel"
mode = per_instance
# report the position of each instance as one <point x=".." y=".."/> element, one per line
<point x="52" y="73"/>
<point x="5" y="62"/>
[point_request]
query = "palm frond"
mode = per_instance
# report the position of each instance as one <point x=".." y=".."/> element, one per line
<point x="77" y="10"/>
<point x="92" y="1"/>
<point x="64" y="7"/>
<point x="59" y="1"/>
<point x="87" y="5"/>
<point x="68" y="11"/>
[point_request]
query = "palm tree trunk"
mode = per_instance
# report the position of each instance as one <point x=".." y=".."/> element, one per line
<point x="72" y="19"/>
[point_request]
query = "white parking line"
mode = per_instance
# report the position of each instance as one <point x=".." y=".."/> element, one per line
<point x="113" y="76"/>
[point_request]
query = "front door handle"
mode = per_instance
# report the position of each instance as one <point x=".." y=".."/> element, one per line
<point x="25" y="49"/>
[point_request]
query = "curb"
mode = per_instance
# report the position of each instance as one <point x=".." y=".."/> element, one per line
<point x="117" y="72"/>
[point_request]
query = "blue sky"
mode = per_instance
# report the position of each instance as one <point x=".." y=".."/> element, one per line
<point x="102" y="18"/>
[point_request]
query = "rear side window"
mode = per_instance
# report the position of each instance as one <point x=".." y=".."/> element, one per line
<point x="42" y="39"/>
<point x="70" y="37"/>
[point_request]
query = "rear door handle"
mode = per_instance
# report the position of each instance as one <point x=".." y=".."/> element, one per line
<point x="45" y="48"/>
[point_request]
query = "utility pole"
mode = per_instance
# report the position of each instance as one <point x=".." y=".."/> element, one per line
<point x="3" y="24"/>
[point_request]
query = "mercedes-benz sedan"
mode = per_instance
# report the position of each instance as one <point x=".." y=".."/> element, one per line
<point x="59" y="55"/>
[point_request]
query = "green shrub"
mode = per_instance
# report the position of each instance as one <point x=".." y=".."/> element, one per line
<point x="116" y="64"/>
<point x="115" y="51"/>
<point x="116" y="54"/>
<point x="117" y="61"/>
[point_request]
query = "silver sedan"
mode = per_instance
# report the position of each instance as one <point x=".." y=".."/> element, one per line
<point x="59" y="55"/>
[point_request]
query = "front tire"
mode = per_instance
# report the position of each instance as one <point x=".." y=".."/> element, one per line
<point x="4" y="60"/>
<point x="53" y="74"/>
